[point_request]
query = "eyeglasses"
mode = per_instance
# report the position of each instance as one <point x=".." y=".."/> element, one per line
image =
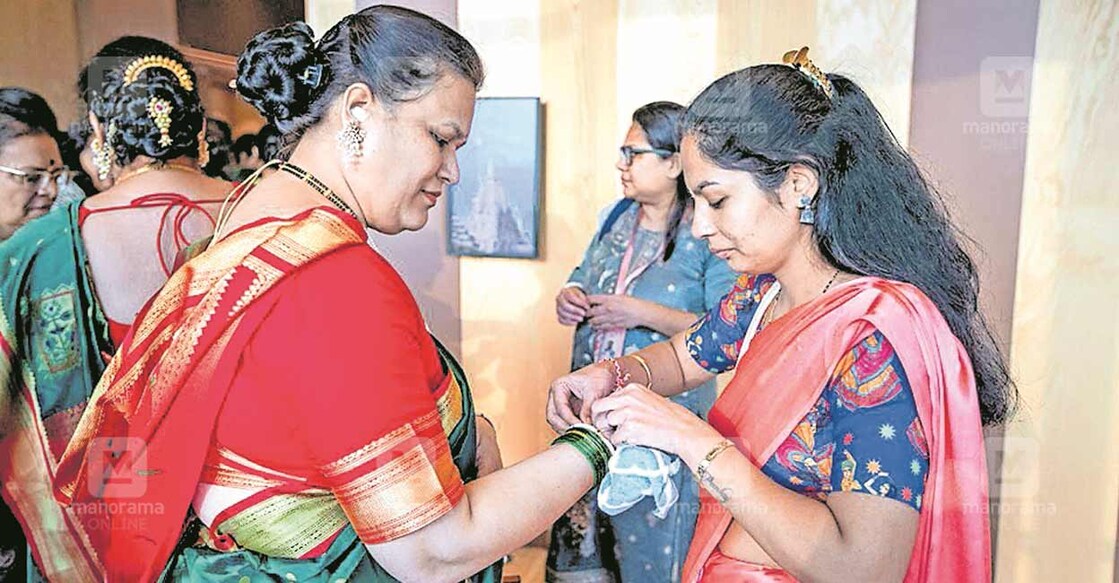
<point x="628" y="152"/>
<point x="40" y="179"/>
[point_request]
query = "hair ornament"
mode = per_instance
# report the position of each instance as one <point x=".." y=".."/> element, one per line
<point x="312" y="75"/>
<point x="160" y="111"/>
<point x="798" y="59"/>
<point x="158" y="62"/>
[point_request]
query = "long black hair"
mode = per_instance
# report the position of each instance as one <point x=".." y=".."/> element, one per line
<point x="101" y="84"/>
<point x="660" y="121"/>
<point x="876" y="214"/>
<point x="399" y="53"/>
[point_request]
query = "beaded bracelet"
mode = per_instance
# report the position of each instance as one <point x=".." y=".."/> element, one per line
<point x="621" y="378"/>
<point x="591" y="444"/>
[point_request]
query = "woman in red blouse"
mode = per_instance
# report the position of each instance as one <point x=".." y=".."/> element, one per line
<point x="279" y="409"/>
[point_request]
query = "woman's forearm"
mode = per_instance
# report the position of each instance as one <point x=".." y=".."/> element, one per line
<point x="815" y="550"/>
<point x="668" y="321"/>
<point x="499" y="514"/>
<point x="673" y="370"/>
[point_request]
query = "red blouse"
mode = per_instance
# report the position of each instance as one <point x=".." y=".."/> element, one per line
<point x="341" y="384"/>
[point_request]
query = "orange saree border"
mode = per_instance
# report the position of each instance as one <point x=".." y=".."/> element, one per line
<point x="399" y="482"/>
<point x="136" y="456"/>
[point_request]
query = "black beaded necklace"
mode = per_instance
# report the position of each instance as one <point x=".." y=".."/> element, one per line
<point x="319" y="187"/>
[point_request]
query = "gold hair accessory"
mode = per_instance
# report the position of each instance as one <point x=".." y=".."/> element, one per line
<point x="151" y="61"/>
<point x="799" y="60"/>
<point x="160" y="112"/>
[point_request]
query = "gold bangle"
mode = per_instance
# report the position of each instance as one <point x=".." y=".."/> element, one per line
<point x="645" y="366"/>
<point x="701" y="467"/>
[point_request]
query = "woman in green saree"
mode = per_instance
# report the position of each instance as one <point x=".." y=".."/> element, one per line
<point x="72" y="281"/>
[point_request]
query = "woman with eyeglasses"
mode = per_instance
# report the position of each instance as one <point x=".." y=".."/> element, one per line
<point x="30" y="161"/>
<point x="643" y="279"/>
<point x="72" y="281"/>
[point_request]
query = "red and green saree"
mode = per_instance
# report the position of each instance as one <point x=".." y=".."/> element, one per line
<point x="276" y="406"/>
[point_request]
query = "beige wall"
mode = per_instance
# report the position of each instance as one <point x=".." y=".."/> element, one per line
<point x="1061" y="470"/>
<point x="45" y="43"/>
<point x="38" y="41"/>
<point x="593" y="62"/>
<point x="512" y="345"/>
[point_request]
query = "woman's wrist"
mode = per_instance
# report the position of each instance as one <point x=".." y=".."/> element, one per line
<point x="698" y="443"/>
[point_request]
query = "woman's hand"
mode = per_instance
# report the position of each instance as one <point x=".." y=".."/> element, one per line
<point x="488" y="455"/>
<point x="571" y="306"/>
<point x="638" y="416"/>
<point x="570" y="397"/>
<point x="617" y="311"/>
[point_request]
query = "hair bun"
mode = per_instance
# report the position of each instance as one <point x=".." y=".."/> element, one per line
<point x="281" y="73"/>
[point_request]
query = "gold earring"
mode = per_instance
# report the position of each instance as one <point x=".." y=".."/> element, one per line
<point x="203" y="151"/>
<point x="103" y="152"/>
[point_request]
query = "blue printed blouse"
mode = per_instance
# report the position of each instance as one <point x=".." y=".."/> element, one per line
<point x="862" y="435"/>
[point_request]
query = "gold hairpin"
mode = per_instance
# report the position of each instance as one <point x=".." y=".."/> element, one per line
<point x="158" y="62"/>
<point x="160" y="112"/>
<point x="799" y="60"/>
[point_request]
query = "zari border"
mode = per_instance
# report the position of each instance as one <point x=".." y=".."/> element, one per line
<point x="398" y="483"/>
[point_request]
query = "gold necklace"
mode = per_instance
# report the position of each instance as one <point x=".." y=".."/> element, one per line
<point x="155" y="165"/>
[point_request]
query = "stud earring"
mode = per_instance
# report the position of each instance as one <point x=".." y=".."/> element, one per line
<point x="351" y="138"/>
<point x="807" y="213"/>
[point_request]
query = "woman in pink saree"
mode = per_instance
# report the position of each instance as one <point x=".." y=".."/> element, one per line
<point x="849" y="443"/>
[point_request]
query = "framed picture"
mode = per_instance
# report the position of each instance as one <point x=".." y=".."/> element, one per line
<point x="494" y="210"/>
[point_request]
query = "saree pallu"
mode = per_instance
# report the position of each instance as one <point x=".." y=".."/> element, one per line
<point x="782" y="375"/>
<point x="52" y="337"/>
<point x="138" y="455"/>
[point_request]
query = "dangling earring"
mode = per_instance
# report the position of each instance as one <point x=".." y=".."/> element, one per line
<point x="203" y="152"/>
<point x="103" y="153"/>
<point x="807" y="213"/>
<point x="351" y="138"/>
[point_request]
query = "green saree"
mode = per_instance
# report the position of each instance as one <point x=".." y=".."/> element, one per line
<point x="52" y="338"/>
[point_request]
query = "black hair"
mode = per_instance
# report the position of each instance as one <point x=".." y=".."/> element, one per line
<point x="268" y="141"/>
<point x="243" y="145"/>
<point x="399" y="53"/>
<point x="71" y="143"/>
<point x="125" y="107"/>
<point x="660" y="121"/>
<point x="219" y="140"/>
<point x="876" y="213"/>
<point x="24" y="113"/>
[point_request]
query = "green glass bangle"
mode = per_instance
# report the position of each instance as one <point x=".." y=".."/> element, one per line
<point x="592" y="445"/>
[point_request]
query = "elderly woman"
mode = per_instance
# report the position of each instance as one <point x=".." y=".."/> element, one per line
<point x="283" y="386"/>
<point x="30" y="161"/>
<point x="849" y="444"/>
<point x="72" y="281"/>
<point x="643" y="278"/>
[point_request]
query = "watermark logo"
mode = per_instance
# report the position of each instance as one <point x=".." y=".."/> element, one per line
<point x="1004" y="86"/>
<point x="1021" y="472"/>
<point x="118" y="467"/>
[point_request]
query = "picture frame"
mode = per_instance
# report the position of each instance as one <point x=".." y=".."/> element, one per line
<point x="494" y="210"/>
